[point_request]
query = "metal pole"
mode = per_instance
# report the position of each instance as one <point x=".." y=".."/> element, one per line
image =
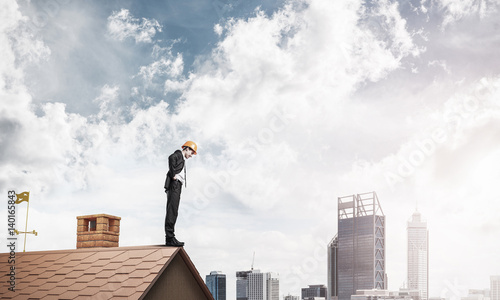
<point x="26" y="227"/>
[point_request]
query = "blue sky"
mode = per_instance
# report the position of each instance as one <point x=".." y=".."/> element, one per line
<point x="73" y="33"/>
<point x="292" y="104"/>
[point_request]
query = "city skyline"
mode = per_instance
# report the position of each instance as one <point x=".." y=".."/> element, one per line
<point x="417" y="252"/>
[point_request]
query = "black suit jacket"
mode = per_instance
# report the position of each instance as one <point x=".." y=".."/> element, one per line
<point x="175" y="166"/>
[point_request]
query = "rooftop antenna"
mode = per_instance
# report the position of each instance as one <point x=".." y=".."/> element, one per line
<point x="253" y="259"/>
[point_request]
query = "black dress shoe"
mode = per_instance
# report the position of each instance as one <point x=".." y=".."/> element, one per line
<point x="173" y="242"/>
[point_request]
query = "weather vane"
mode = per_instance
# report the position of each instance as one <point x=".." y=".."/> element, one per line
<point x="21" y="198"/>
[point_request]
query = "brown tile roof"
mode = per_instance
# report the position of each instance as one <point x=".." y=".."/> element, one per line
<point x="97" y="273"/>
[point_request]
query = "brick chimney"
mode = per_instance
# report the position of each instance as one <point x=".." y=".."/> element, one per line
<point x="97" y="231"/>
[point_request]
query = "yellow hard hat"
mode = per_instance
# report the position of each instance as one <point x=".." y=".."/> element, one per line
<point x="191" y="145"/>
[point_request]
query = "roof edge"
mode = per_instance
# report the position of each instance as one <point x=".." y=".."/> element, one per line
<point x="86" y="249"/>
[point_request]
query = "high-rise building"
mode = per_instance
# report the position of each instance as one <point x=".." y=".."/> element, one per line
<point x="495" y="287"/>
<point x="361" y="245"/>
<point x="332" y="288"/>
<point x="317" y="291"/>
<point x="254" y="285"/>
<point x="418" y="255"/>
<point x="216" y="283"/>
<point x="273" y="286"/>
<point x="242" y="285"/>
<point x="257" y="286"/>
<point x="290" y="297"/>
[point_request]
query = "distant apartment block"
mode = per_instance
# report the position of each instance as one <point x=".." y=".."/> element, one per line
<point x="414" y="294"/>
<point x="376" y="294"/>
<point x="484" y="292"/>
<point x="273" y="286"/>
<point x="478" y="294"/>
<point x="314" y="292"/>
<point x="495" y="287"/>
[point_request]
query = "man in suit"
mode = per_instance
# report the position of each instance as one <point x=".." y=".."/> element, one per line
<point x="176" y="177"/>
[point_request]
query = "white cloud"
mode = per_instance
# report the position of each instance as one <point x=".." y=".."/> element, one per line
<point x="107" y="101"/>
<point x="450" y="128"/>
<point x="401" y="42"/>
<point x="122" y="25"/>
<point x="29" y="50"/>
<point x="315" y="54"/>
<point x="439" y="63"/>
<point x="175" y="85"/>
<point x="281" y="85"/>
<point x="218" y="29"/>
<point x="171" y="67"/>
<point x="459" y="9"/>
<point x="165" y="73"/>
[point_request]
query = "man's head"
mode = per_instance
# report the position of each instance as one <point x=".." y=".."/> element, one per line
<point x="189" y="149"/>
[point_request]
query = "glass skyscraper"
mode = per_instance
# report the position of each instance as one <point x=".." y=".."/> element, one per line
<point x="418" y="256"/>
<point x="360" y="263"/>
<point x="216" y="283"/>
<point x="314" y="291"/>
<point x="242" y="285"/>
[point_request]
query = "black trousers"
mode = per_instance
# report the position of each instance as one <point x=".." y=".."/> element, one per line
<point x="173" y="199"/>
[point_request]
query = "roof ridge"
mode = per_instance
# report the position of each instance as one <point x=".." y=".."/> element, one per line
<point x="91" y="249"/>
